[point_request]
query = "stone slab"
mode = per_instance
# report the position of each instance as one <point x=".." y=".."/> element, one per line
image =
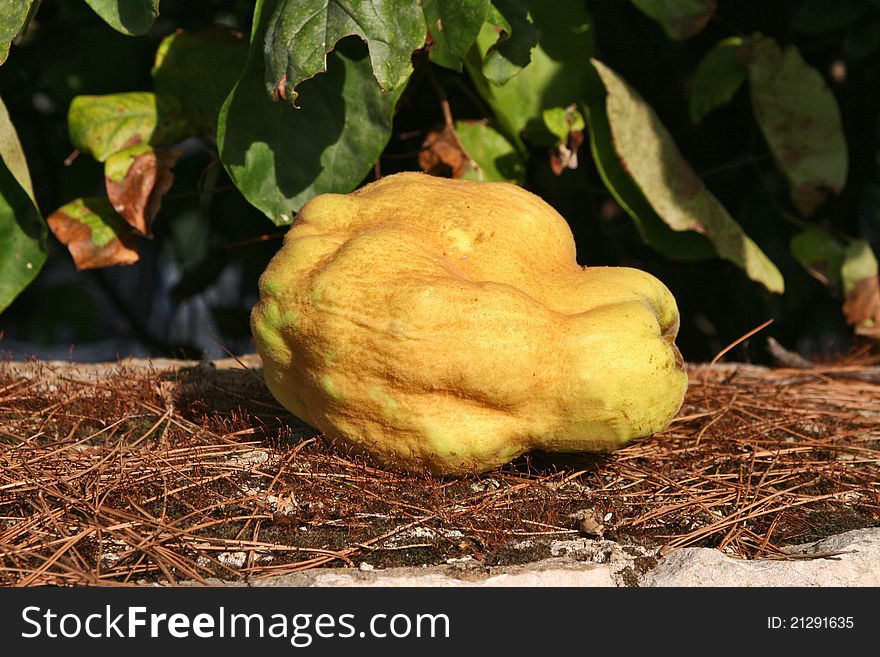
<point x="849" y="559"/>
<point x="845" y="560"/>
<point x="549" y="572"/>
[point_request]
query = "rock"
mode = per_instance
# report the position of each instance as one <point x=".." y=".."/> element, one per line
<point x="849" y="559"/>
<point x="588" y="523"/>
<point x="845" y="560"/>
<point x="626" y="563"/>
<point x="550" y="572"/>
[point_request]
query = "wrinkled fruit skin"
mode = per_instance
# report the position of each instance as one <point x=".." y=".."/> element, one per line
<point x="445" y="325"/>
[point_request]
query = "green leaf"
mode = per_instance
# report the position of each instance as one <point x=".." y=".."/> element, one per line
<point x="800" y="120"/>
<point x="821" y="254"/>
<point x="22" y="238"/>
<point x="686" y="246"/>
<point x="132" y="17"/>
<point x="300" y="33"/>
<point x="717" y="78"/>
<point x="102" y="125"/>
<point x="279" y="156"/>
<point x="496" y="20"/>
<point x="199" y="69"/>
<point x="514" y="34"/>
<point x="22" y="230"/>
<point x="680" y="19"/>
<point x="14" y="17"/>
<point x="821" y="16"/>
<point x="498" y="159"/>
<point x="647" y="151"/>
<point x="562" y="121"/>
<point x="454" y="25"/>
<point x="557" y="75"/>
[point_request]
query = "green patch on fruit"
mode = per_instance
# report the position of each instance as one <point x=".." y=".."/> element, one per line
<point x="273" y="316"/>
<point x="329" y="388"/>
<point x="273" y="286"/>
<point x="389" y="404"/>
<point x="268" y="328"/>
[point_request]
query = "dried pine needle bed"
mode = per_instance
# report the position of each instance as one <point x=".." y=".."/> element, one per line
<point x="130" y="474"/>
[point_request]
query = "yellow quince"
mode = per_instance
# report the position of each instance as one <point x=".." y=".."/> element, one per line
<point x="445" y="325"/>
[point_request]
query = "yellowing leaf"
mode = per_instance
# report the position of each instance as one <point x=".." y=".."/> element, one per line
<point x="14" y="17"/>
<point x="681" y="246"/>
<point x="12" y="152"/>
<point x="103" y="125"/>
<point x="800" y="120"/>
<point x="94" y="234"/>
<point x="648" y="153"/>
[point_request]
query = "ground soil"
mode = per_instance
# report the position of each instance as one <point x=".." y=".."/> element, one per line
<point x="174" y="472"/>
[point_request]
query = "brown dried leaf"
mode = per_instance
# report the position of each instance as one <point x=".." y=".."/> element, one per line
<point x="565" y="156"/>
<point x="93" y="233"/>
<point x="442" y="154"/>
<point x="137" y="194"/>
<point x="862" y="307"/>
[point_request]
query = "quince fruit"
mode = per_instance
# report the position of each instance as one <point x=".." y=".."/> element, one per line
<point x="445" y="325"/>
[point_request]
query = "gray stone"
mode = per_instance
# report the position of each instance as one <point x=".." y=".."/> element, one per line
<point x="849" y="559"/>
<point x="550" y="572"/>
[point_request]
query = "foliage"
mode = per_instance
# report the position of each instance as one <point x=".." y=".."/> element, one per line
<point x="595" y="105"/>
